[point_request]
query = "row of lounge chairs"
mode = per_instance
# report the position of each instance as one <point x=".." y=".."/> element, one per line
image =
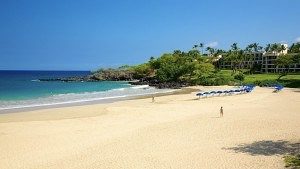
<point x="241" y="90"/>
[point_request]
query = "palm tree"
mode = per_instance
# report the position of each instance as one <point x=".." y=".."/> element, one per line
<point x="284" y="62"/>
<point x="256" y="47"/>
<point x="295" y="48"/>
<point x="236" y="56"/>
<point x="234" y="46"/>
<point x="210" y="50"/>
<point x="249" y="53"/>
<point x="259" y="48"/>
<point x="268" y="48"/>
<point x="195" y="46"/>
<point x="281" y="48"/>
<point x="275" y="47"/>
<point x="193" y="53"/>
<point x="201" y="45"/>
<point x="253" y="47"/>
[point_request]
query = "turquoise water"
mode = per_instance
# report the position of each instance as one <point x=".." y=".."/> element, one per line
<point x="20" y="89"/>
<point x="20" y="85"/>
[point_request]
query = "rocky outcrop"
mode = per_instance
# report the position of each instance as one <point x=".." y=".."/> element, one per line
<point x="113" y="75"/>
<point x="103" y="75"/>
<point x="120" y="75"/>
<point x="71" y="79"/>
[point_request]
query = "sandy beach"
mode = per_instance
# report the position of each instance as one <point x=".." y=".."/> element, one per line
<point x="176" y="131"/>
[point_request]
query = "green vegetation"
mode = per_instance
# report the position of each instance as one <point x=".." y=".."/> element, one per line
<point x="122" y="73"/>
<point x="198" y="68"/>
<point x="268" y="79"/>
<point x="295" y="48"/>
<point x="186" y="67"/>
<point x="239" y="76"/>
<point x="291" y="80"/>
<point x="285" y="61"/>
<point x="292" y="161"/>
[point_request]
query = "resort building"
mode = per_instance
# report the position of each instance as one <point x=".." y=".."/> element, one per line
<point x="263" y="62"/>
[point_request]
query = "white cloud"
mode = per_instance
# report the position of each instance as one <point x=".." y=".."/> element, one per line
<point x="283" y="41"/>
<point x="297" y="39"/>
<point x="212" y="44"/>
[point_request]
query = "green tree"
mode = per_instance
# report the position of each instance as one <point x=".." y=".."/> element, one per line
<point x="268" y="48"/>
<point x="236" y="56"/>
<point x="275" y="47"/>
<point x="284" y="62"/>
<point x="142" y="71"/>
<point x="253" y="47"/>
<point x="202" y="73"/>
<point x="249" y="53"/>
<point x="295" y="58"/>
<point x="295" y="48"/>
<point x="201" y="45"/>
<point x="210" y="50"/>
<point x="195" y="46"/>
<point x="169" y="67"/>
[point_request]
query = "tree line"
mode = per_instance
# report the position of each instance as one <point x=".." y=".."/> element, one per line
<point x="197" y="67"/>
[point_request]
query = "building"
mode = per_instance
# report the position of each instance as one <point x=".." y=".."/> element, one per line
<point x="255" y="59"/>
<point x="263" y="62"/>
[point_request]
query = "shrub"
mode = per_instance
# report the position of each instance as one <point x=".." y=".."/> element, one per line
<point x="293" y="83"/>
<point x="214" y="80"/>
<point x="266" y="83"/>
<point x="292" y="160"/>
<point x="141" y="71"/>
<point x="221" y="81"/>
<point x="239" y="76"/>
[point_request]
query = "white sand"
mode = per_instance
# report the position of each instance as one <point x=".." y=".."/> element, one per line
<point x="176" y="131"/>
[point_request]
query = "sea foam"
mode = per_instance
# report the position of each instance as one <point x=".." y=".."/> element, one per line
<point x="60" y="99"/>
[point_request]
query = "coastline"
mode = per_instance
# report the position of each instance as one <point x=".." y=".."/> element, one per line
<point x="176" y="131"/>
<point x="184" y="90"/>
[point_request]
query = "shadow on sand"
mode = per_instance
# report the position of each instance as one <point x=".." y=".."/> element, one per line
<point x="267" y="148"/>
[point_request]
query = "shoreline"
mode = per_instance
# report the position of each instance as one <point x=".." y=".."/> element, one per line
<point x="184" y="90"/>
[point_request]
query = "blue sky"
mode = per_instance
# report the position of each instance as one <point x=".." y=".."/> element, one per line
<point x="85" y="35"/>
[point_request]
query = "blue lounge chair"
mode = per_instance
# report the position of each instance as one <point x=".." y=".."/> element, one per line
<point x="226" y="92"/>
<point x="278" y="88"/>
<point x="237" y="91"/>
<point x="213" y="92"/>
<point x="219" y="92"/>
<point x="206" y="93"/>
<point x="231" y="91"/>
<point x="199" y="94"/>
<point x="243" y="90"/>
<point x="249" y="88"/>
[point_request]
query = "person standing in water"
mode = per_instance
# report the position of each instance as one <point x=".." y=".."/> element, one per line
<point x="221" y="112"/>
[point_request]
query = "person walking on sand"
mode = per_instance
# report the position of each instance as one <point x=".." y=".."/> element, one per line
<point x="153" y="99"/>
<point x="221" y="112"/>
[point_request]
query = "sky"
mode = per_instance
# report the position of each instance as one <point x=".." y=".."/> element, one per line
<point x="86" y="35"/>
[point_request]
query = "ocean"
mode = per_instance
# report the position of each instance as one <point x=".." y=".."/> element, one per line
<point x="22" y="89"/>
